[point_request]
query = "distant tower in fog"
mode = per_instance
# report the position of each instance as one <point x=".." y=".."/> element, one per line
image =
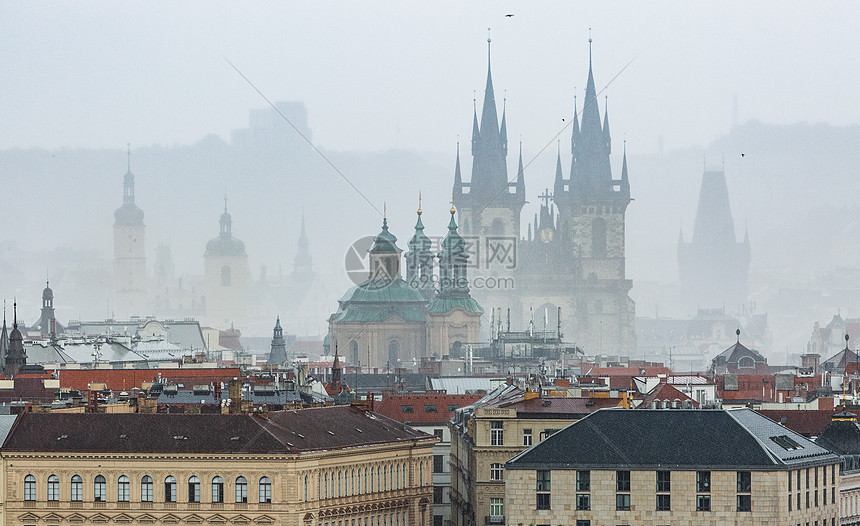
<point x="714" y="266"/>
<point x="225" y="277"/>
<point x="278" y="351"/>
<point x="129" y="248"/>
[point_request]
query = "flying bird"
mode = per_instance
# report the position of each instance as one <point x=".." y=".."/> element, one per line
<point x="509" y="15"/>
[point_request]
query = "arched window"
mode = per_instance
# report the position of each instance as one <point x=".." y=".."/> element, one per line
<point x="325" y="479"/>
<point x="77" y="488"/>
<point x="218" y="489"/>
<point x="146" y="489"/>
<point x="339" y="484"/>
<point x="378" y="479"/>
<point x="364" y="484"/>
<point x="99" y="489"/>
<point x="265" y="489"/>
<point x="746" y="363"/>
<point x="123" y="489"/>
<point x="53" y="487"/>
<point x="226" y="276"/>
<point x="307" y="488"/>
<point x="598" y="238"/>
<point x="353" y="352"/>
<point x="319" y="486"/>
<point x="194" y="489"/>
<point x="352" y="483"/>
<point x="29" y="487"/>
<point x="241" y="490"/>
<point x="372" y="482"/>
<point x="393" y="354"/>
<point x="170" y="489"/>
<point x="385" y="478"/>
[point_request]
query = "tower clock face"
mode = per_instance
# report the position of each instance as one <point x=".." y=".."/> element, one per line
<point x="546" y="235"/>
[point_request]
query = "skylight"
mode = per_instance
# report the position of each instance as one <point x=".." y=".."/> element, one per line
<point x="786" y="443"/>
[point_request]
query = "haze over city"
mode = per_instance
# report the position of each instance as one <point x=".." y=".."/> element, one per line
<point x="763" y="91"/>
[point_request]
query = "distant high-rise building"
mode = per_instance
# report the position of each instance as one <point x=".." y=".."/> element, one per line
<point x="303" y="269"/>
<point x="129" y="264"/>
<point x="714" y="266"/>
<point x="225" y="279"/>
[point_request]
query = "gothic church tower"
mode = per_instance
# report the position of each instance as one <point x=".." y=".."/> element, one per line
<point x="489" y="205"/>
<point x="129" y="264"/>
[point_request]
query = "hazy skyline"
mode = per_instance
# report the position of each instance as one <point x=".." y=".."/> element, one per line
<point x="385" y="75"/>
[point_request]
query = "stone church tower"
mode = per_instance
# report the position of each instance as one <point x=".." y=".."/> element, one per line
<point x="489" y="205"/>
<point x="714" y="266"/>
<point x="129" y="264"/>
<point x="225" y="278"/>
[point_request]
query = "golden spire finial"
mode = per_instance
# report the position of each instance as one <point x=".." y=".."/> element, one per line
<point x="419" y="202"/>
<point x="453" y="210"/>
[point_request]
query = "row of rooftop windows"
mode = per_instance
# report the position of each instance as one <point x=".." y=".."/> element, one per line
<point x="147" y="489"/>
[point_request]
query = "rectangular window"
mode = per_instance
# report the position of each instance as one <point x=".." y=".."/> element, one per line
<point x="583" y="501"/>
<point x="437" y="494"/>
<point x="583" y="522"/>
<point x="824" y="475"/>
<point x="824" y="496"/>
<point x="439" y="433"/>
<point x="622" y="501"/>
<point x="798" y="501"/>
<point x="815" y="469"/>
<point x="543" y="480"/>
<point x="543" y="489"/>
<point x="833" y="475"/>
<point x="497" y="433"/>
<point x="807" y="500"/>
<point x="438" y="463"/>
<point x="789" y="481"/>
<point x="703" y="481"/>
<point x="703" y="503"/>
<point x="815" y="494"/>
<point x="497" y="510"/>
<point x="807" y="478"/>
<point x="583" y="481"/>
<point x="664" y="481"/>
<point x="437" y="520"/>
<point x="789" y="503"/>
<point x="744" y="502"/>
<point x="664" y="503"/>
<point x="622" y="481"/>
<point x="527" y="437"/>
<point x="744" y="482"/>
<point x="798" y="480"/>
<point x="497" y="472"/>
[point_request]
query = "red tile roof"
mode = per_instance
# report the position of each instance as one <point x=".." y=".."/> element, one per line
<point x="413" y="407"/>
<point x="124" y="379"/>
<point x="561" y="407"/>
<point x="806" y="422"/>
<point x="663" y="391"/>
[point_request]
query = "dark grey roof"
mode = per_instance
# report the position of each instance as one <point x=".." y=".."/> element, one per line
<point x="283" y="432"/>
<point x="840" y="436"/>
<point x="674" y="439"/>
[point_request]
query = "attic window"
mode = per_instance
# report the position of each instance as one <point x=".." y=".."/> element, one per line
<point x="62" y="437"/>
<point x="180" y="437"/>
<point x="330" y="433"/>
<point x="359" y="430"/>
<point x="123" y="437"/>
<point x="452" y="407"/>
<point x="234" y="439"/>
<point x="786" y="443"/>
<point x="407" y="409"/>
<point x="300" y="435"/>
<point x="546" y="403"/>
<point x="429" y="408"/>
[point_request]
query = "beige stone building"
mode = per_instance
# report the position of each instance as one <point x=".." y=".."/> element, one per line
<point x="654" y="467"/>
<point x="487" y="434"/>
<point x="335" y="466"/>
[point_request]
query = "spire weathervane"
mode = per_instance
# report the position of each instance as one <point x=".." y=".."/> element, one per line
<point x="419" y="202"/>
<point x="128" y="153"/>
<point x="453" y="210"/>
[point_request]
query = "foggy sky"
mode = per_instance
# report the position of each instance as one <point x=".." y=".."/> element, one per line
<point x="381" y="75"/>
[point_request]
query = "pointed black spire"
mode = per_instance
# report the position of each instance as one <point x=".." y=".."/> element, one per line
<point x="625" y="182"/>
<point x="521" y="179"/>
<point x="607" y="137"/>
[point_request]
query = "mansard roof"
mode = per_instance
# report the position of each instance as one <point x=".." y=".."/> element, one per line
<point x="674" y="439"/>
<point x="315" y="429"/>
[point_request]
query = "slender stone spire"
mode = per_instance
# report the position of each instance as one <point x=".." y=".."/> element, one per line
<point x="521" y="179"/>
<point x="625" y="182"/>
<point x="607" y="137"/>
<point x="458" y="177"/>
